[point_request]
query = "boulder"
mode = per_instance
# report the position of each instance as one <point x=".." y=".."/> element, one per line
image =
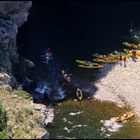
<point x="39" y="106"/>
<point x="29" y="63"/>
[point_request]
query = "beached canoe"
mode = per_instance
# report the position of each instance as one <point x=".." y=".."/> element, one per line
<point x="79" y="93"/>
<point x="90" y="66"/>
<point x="130" y="52"/>
<point x="131" y="45"/>
<point x="105" y="61"/>
<point x="110" y="56"/>
<point x="99" y="56"/>
<point x="86" y="62"/>
<point x="65" y="76"/>
<point x="124" y="117"/>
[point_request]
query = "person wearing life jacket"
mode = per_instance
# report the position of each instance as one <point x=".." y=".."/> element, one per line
<point x="124" y="61"/>
<point x="47" y="56"/>
<point x="120" y="57"/>
<point x="134" y="56"/>
<point x="49" y="51"/>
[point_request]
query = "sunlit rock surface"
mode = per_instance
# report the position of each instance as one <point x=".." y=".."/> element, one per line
<point x="13" y="14"/>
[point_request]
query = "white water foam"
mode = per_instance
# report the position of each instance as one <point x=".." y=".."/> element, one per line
<point x="67" y="129"/>
<point x="43" y="87"/>
<point x="76" y="113"/>
<point x="61" y="94"/>
<point x="79" y="125"/>
<point x="110" y="127"/>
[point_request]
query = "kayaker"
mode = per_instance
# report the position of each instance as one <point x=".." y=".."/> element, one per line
<point x="134" y="54"/>
<point x="106" y="58"/>
<point x="138" y="46"/>
<point x="120" y="57"/>
<point x="134" y="57"/>
<point x="126" y="115"/>
<point x="125" y="61"/>
<point x="49" y="51"/>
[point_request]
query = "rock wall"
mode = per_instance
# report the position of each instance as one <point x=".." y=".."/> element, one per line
<point x="13" y="14"/>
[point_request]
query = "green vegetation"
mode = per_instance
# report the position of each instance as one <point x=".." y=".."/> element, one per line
<point x="22" y="93"/>
<point x="22" y="121"/>
<point x="4" y="135"/>
<point x="3" y="123"/>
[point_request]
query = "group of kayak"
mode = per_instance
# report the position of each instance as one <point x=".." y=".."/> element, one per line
<point x="79" y="95"/>
<point x="133" y="51"/>
<point x="67" y="78"/>
<point x="111" y="58"/>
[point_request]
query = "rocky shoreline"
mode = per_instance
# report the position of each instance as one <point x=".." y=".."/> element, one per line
<point x="25" y="118"/>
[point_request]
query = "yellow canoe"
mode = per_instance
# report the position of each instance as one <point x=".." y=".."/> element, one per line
<point x="131" y="45"/>
<point x="130" y="52"/>
<point x="67" y="78"/>
<point x="86" y="62"/>
<point x="79" y="93"/>
<point x="105" y="61"/>
<point x="137" y="52"/>
<point x="112" y="56"/>
<point x="90" y="66"/>
<point x="124" y="117"/>
<point x="99" y="56"/>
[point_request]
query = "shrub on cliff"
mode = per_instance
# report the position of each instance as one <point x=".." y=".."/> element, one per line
<point x="3" y="118"/>
<point x="22" y="93"/>
<point x="3" y="123"/>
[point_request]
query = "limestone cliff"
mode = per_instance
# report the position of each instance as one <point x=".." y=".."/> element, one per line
<point x="13" y="14"/>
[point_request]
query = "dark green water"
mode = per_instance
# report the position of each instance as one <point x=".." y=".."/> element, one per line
<point x="93" y="112"/>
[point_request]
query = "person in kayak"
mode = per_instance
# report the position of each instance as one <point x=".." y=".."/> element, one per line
<point x="67" y="76"/>
<point x="49" y="51"/>
<point x="48" y="56"/>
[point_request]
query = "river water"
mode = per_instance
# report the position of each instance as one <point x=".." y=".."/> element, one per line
<point x="76" y="30"/>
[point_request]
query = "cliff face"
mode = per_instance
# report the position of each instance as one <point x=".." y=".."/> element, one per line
<point x="13" y="14"/>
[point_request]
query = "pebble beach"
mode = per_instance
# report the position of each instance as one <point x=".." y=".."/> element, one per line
<point x="120" y="85"/>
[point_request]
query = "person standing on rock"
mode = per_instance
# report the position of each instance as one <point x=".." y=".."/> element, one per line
<point x="120" y="57"/>
<point x="134" y="56"/>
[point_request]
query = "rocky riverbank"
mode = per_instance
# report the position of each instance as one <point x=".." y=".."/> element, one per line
<point x="121" y="85"/>
<point x="25" y="118"/>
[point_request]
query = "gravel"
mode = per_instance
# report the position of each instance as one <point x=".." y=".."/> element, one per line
<point x="120" y="85"/>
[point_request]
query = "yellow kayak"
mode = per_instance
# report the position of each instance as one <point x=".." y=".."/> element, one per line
<point x="137" y="52"/>
<point x="130" y="52"/>
<point x="79" y="93"/>
<point x="124" y="117"/>
<point x="86" y="62"/>
<point x="129" y="45"/>
<point x="111" y="56"/>
<point x="65" y="76"/>
<point x="105" y="61"/>
<point x="90" y="66"/>
<point x="99" y="56"/>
